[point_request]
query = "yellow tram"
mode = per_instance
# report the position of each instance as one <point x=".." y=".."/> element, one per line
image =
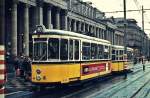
<point x="63" y="57"/>
<point x="121" y="61"/>
<point x="118" y="58"/>
<point x="129" y="58"/>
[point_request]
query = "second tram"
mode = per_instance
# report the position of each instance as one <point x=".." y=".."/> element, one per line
<point x="120" y="61"/>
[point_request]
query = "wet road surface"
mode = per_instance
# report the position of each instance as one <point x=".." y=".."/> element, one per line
<point x="111" y="87"/>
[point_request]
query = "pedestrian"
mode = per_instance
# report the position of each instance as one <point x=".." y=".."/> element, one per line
<point x="135" y="60"/>
<point x="27" y="67"/>
<point x="16" y="65"/>
<point x="125" y="73"/>
<point x="21" y="59"/>
<point x="142" y="59"/>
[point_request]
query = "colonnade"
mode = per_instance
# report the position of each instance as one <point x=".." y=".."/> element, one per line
<point x="56" y="18"/>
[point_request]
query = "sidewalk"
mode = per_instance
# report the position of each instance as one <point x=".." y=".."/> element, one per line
<point x="14" y="84"/>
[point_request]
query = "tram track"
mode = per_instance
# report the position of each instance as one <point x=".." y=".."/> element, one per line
<point x="64" y="92"/>
<point x="133" y="96"/>
<point x="77" y="93"/>
<point x="113" y="90"/>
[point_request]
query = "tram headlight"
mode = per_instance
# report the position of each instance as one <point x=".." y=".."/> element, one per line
<point x="38" y="71"/>
<point x="38" y="78"/>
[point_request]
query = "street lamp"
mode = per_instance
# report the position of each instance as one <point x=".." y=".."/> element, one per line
<point x="125" y="24"/>
<point x="125" y="36"/>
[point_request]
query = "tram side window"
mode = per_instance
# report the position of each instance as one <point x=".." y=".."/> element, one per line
<point x="93" y="51"/>
<point x="76" y="50"/>
<point x="106" y="52"/>
<point x="40" y="51"/>
<point x="53" y="48"/>
<point x="64" y="49"/>
<point x="113" y="55"/>
<point x="71" y="49"/>
<point x="117" y="54"/>
<point x="129" y="55"/>
<point x="109" y="52"/>
<point x="100" y="52"/>
<point x="85" y="51"/>
<point x="121" y="55"/>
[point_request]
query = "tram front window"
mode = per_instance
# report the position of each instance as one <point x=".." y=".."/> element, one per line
<point x="53" y="48"/>
<point x="129" y="55"/>
<point x="40" y="51"/>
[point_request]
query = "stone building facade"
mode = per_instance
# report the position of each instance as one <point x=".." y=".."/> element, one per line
<point x="113" y="34"/>
<point x="73" y="15"/>
<point x="23" y="15"/>
<point x="136" y="37"/>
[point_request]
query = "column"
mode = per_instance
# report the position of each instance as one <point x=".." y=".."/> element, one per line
<point x="69" y="24"/>
<point x="49" y="17"/>
<point x="39" y="12"/>
<point x="14" y="30"/>
<point x="84" y="27"/>
<point x="57" y="18"/>
<point x="2" y="48"/>
<point x="88" y="28"/>
<point x="79" y="28"/>
<point x="97" y="32"/>
<point x="40" y="15"/>
<point x="74" y="26"/>
<point x="94" y="30"/>
<point x="91" y="12"/>
<point x="100" y="34"/>
<point x="104" y="33"/>
<point x="64" y="20"/>
<point x="26" y="30"/>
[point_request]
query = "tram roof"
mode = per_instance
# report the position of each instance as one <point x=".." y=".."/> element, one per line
<point x="117" y="47"/>
<point x="129" y="49"/>
<point x="69" y="33"/>
<point x="121" y="47"/>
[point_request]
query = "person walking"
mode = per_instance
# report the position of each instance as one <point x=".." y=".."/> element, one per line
<point x="20" y="61"/>
<point x="27" y="67"/>
<point x="143" y="63"/>
<point x="16" y="65"/>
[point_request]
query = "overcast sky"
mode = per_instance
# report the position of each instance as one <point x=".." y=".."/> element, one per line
<point x="117" y="5"/>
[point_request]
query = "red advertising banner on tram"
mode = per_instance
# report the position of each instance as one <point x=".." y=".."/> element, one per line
<point x="93" y="68"/>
